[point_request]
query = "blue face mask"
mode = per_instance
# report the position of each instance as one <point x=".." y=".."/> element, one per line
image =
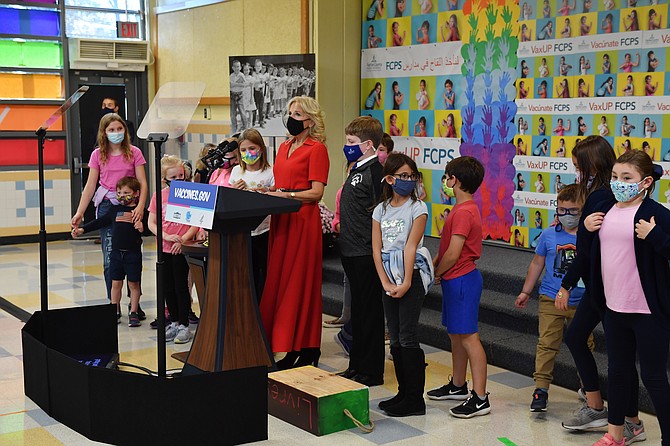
<point x="403" y="187"/>
<point x="115" y="137"/>
<point x="352" y="152"/>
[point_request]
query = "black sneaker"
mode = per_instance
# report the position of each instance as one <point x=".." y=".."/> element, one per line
<point x="449" y="392"/>
<point x="134" y="320"/>
<point x="472" y="407"/>
<point x="540" y="401"/>
<point x="154" y="324"/>
<point x="140" y="312"/>
<point x="192" y="318"/>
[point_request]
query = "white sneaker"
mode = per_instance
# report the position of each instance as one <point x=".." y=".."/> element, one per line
<point x="183" y="335"/>
<point x="171" y="332"/>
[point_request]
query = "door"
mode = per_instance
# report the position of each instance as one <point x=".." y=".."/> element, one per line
<point x="129" y="90"/>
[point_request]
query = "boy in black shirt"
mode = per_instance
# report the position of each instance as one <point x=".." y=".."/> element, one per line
<point x="126" y="256"/>
<point x="360" y="194"/>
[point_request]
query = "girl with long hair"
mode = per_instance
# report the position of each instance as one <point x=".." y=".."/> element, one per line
<point x="405" y="270"/>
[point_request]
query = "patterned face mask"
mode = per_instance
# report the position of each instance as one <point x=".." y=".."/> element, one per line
<point x="624" y="192"/>
<point x="126" y="200"/>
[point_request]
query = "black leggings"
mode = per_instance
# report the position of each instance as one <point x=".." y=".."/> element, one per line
<point x="627" y="333"/>
<point x="587" y="317"/>
<point x="175" y="287"/>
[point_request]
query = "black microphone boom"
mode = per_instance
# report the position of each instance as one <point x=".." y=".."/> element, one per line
<point x="216" y="157"/>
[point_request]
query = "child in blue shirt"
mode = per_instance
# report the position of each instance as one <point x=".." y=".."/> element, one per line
<point x="556" y="250"/>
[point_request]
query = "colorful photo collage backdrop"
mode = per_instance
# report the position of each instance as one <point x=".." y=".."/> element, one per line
<point x="389" y="23"/>
<point x="571" y="67"/>
<point x="421" y="113"/>
<point x="564" y="19"/>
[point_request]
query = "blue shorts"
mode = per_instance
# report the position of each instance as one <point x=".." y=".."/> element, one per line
<point x="460" y="303"/>
<point x="122" y="263"/>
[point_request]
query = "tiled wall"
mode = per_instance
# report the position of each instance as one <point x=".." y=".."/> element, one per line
<point x="193" y="142"/>
<point x="19" y="202"/>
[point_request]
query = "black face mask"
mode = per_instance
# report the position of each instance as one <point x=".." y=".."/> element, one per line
<point x="294" y="126"/>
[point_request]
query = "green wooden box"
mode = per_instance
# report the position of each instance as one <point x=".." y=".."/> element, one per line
<point x="314" y="400"/>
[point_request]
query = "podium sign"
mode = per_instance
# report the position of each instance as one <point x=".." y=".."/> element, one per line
<point x="191" y="204"/>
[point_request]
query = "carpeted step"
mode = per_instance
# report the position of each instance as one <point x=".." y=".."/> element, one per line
<point x="509" y="335"/>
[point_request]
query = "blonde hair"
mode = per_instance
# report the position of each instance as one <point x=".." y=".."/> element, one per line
<point x="199" y="165"/>
<point x="103" y="142"/>
<point x="256" y="138"/>
<point x="313" y="111"/>
<point x="170" y="161"/>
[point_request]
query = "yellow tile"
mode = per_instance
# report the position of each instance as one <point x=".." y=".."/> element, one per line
<point x="32" y="300"/>
<point x="27" y="175"/>
<point x="32" y="437"/>
<point x="91" y="270"/>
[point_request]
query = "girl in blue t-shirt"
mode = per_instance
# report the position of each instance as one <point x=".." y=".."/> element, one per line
<point x="374" y="99"/>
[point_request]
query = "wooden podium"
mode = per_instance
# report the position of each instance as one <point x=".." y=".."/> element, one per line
<point x="230" y="334"/>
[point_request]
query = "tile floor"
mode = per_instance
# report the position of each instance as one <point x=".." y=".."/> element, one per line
<point x="75" y="278"/>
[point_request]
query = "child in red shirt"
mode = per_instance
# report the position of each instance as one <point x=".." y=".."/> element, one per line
<point x="460" y="246"/>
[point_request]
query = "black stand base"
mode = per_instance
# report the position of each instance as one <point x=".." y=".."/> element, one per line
<point x="125" y="408"/>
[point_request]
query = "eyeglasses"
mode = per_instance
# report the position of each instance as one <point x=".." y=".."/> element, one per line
<point x="568" y="211"/>
<point x="406" y="176"/>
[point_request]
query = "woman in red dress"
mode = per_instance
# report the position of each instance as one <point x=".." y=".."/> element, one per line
<point x="291" y="303"/>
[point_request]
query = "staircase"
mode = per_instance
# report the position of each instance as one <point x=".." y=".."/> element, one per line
<point x="508" y="334"/>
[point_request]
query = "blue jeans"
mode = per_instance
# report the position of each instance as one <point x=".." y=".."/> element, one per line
<point x="106" y="239"/>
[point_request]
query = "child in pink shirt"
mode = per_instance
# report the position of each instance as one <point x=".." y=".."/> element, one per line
<point x="175" y="274"/>
<point x="115" y="158"/>
<point x="629" y="242"/>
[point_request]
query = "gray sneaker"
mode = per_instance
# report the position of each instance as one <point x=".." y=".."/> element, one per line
<point x="183" y="335"/>
<point x="633" y="432"/>
<point x="586" y="418"/>
<point x="170" y="332"/>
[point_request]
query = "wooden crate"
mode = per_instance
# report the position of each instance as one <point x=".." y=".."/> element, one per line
<point x="314" y="400"/>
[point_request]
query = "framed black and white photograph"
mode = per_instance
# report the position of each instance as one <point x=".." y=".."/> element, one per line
<point x="261" y="86"/>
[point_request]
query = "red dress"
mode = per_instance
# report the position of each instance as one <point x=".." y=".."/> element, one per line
<point x="291" y="303"/>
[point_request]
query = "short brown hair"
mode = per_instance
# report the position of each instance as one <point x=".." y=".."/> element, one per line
<point x="387" y="142"/>
<point x="468" y="170"/>
<point x="132" y="182"/>
<point x="366" y="128"/>
<point x="570" y="193"/>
